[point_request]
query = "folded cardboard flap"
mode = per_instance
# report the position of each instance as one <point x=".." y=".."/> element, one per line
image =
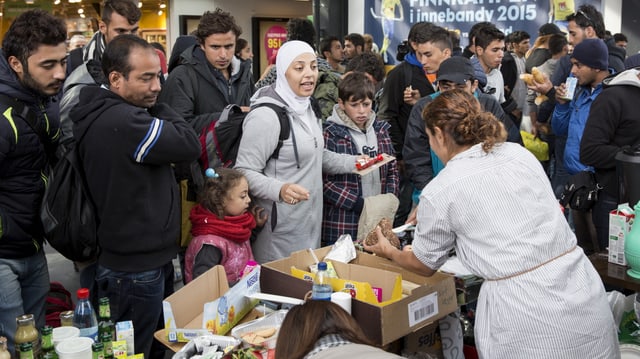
<point x="186" y="304"/>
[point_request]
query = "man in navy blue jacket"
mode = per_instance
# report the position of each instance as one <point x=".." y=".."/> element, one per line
<point x="128" y="144"/>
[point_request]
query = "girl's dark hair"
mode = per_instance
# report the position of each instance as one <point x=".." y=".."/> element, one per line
<point x="458" y="114"/>
<point x="215" y="191"/>
<point x="216" y="22"/>
<point x="311" y="321"/>
<point x="356" y="86"/>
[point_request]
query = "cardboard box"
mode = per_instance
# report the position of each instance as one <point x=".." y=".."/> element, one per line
<point x="620" y="221"/>
<point x="183" y="310"/>
<point x="425" y="340"/>
<point x="432" y="299"/>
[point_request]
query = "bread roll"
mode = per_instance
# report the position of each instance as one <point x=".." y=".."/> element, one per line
<point x="385" y="225"/>
<point x="538" y="76"/>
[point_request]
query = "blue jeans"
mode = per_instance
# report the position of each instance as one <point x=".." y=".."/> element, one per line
<point x="24" y="284"/>
<point x="136" y="297"/>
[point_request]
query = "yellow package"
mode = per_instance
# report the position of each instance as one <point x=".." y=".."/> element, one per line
<point x="119" y="348"/>
<point x="359" y="289"/>
<point x="222" y="314"/>
<point x="538" y="147"/>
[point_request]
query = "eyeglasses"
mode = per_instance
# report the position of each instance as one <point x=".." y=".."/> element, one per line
<point x="580" y="12"/>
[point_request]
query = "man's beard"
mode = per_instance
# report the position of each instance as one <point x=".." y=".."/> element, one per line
<point x="30" y="83"/>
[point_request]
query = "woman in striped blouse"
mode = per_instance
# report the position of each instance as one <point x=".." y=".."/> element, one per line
<point x="493" y="203"/>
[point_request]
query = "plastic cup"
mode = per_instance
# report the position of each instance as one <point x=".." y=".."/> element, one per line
<point x="75" y="348"/>
<point x="61" y="333"/>
<point x="342" y="299"/>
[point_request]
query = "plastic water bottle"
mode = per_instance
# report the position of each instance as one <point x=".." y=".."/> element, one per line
<point x="321" y="284"/>
<point x="84" y="317"/>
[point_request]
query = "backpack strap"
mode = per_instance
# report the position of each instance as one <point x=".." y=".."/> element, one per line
<point x="408" y="74"/>
<point x="285" y="129"/>
<point x="28" y="116"/>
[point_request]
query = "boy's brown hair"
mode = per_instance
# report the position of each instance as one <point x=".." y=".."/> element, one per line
<point x="356" y="86"/>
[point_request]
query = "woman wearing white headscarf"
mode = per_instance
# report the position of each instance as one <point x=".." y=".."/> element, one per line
<point x="289" y="187"/>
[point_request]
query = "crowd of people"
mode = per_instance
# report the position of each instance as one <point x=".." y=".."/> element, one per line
<point x="450" y="117"/>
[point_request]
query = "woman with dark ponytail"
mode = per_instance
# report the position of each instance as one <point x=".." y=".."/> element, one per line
<point x="493" y="203"/>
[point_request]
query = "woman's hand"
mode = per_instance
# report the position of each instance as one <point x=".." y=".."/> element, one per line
<point x="383" y="248"/>
<point x="292" y="193"/>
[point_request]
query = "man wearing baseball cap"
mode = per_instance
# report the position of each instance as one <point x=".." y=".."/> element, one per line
<point x="589" y="65"/>
<point x="456" y="72"/>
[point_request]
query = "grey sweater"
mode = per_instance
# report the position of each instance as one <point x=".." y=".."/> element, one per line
<point x="289" y="227"/>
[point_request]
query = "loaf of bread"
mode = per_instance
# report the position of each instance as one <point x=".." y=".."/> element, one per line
<point x="385" y="225"/>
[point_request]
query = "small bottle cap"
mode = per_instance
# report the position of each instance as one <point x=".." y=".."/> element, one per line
<point x="322" y="266"/>
<point x="83" y="293"/>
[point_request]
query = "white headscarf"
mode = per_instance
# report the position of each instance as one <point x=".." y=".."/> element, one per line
<point x="286" y="54"/>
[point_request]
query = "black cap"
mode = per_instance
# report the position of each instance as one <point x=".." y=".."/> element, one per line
<point x="456" y="69"/>
<point x="550" y="29"/>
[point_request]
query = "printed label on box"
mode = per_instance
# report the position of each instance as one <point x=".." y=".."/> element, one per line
<point x="423" y="309"/>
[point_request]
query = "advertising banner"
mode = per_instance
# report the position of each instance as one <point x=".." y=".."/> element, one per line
<point x="389" y="21"/>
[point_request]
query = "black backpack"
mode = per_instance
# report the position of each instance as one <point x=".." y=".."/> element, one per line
<point x="220" y="140"/>
<point x="68" y="212"/>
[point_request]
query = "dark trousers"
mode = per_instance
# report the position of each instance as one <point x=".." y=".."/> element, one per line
<point x="600" y="214"/>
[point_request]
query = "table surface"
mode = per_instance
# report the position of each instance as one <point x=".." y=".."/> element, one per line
<point x="613" y="274"/>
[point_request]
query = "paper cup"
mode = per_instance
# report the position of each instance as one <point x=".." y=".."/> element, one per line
<point x="342" y="299"/>
<point x="74" y="348"/>
<point x="61" y="333"/>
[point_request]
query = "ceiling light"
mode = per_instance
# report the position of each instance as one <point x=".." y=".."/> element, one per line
<point x="82" y="16"/>
<point x="163" y="5"/>
<point x="160" y="12"/>
<point x="74" y="1"/>
<point x="29" y="2"/>
<point x="139" y="4"/>
<point x="80" y="11"/>
<point x="57" y="2"/>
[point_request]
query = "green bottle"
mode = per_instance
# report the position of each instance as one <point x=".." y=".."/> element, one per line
<point x="106" y="340"/>
<point x="105" y="324"/>
<point x="47" y="339"/>
<point x="26" y="351"/>
<point x="97" y="350"/>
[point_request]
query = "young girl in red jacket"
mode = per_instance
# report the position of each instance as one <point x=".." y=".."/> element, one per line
<point x="222" y="224"/>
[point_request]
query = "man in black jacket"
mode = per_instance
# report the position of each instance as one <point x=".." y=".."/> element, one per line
<point x="209" y="76"/>
<point x="32" y="70"/>
<point x="405" y="84"/>
<point x="127" y="146"/>
<point x="454" y="73"/>
<point x="612" y="125"/>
